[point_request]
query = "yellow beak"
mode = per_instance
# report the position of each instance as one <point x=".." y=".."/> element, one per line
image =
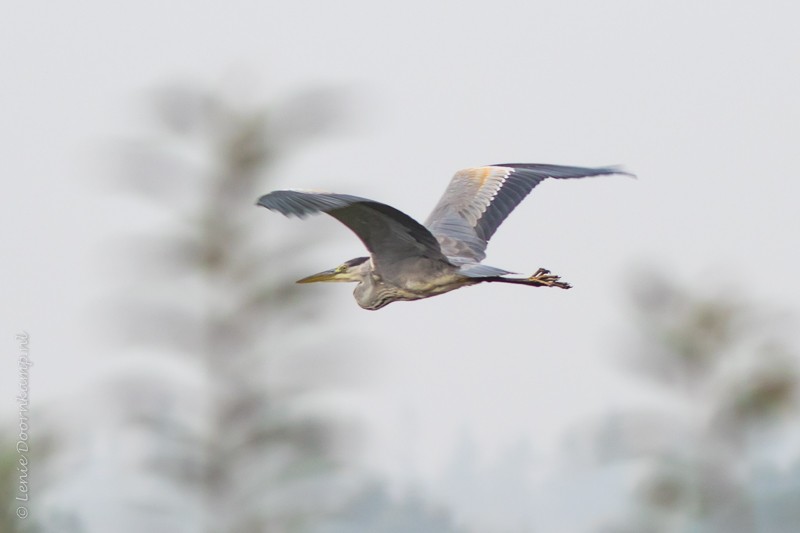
<point x="327" y="275"/>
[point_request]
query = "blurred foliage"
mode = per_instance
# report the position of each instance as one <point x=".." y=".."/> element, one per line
<point x="732" y="383"/>
<point x="373" y="510"/>
<point x="266" y="462"/>
<point x="9" y="477"/>
<point x="39" y="475"/>
<point x="216" y="428"/>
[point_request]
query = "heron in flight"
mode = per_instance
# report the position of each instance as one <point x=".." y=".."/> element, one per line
<point x="410" y="261"/>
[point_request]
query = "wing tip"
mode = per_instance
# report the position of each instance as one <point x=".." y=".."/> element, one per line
<point x="620" y="170"/>
<point x="590" y="171"/>
<point x="262" y="201"/>
<point x="283" y="203"/>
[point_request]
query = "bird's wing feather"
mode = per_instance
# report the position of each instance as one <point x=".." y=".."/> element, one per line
<point x="479" y="199"/>
<point x="390" y="235"/>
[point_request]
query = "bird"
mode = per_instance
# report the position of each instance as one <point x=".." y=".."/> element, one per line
<point x="411" y="261"/>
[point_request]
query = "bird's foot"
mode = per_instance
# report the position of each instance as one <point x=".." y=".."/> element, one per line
<point x="543" y="278"/>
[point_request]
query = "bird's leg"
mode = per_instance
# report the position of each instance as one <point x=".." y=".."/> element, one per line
<point x="543" y="278"/>
<point x="540" y="278"/>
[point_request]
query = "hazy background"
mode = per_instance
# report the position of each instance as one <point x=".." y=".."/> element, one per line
<point x="137" y="140"/>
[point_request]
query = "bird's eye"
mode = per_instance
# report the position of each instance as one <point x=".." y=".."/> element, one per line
<point x="340" y="269"/>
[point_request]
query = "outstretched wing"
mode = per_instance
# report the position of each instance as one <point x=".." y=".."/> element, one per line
<point x="479" y="199"/>
<point x="390" y="235"/>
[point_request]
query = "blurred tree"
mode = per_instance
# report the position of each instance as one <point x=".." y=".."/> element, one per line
<point x="732" y="384"/>
<point x="224" y="438"/>
<point x="266" y="462"/>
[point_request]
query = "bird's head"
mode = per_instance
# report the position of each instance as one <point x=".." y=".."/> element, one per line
<point x="352" y="270"/>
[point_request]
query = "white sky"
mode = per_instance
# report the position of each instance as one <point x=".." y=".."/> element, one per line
<point x="699" y="99"/>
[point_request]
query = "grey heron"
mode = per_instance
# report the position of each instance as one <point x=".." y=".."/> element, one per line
<point x="410" y="261"/>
